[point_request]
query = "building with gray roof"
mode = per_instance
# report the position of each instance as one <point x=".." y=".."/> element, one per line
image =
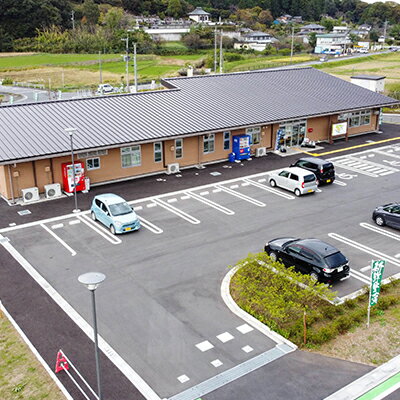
<point x="191" y="122"/>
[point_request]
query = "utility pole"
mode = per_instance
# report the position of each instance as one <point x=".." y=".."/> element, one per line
<point x="73" y="19"/>
<point x="291" y="47"/>
<point x="127" y="62"/>
<point x="215" y="49"/>
<point x="384" y="33"/>
<point x="135" y="67"/>
<point x="100" y="69"/>
<point x="221" y="57"/>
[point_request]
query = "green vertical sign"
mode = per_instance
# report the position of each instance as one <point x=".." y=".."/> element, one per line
<point x="376" y="278"/>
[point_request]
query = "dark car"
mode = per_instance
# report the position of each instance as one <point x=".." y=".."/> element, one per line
<point x="388" y="214"/>
<point x="323" y="170"/>
<point x="321" y="260"/>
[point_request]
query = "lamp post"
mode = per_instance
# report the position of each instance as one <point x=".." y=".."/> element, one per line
<point x="92" y="280"/>
<point x="71" y="132"/>
<point x="126" y="40"/>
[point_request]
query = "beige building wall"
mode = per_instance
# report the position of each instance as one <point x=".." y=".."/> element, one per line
<point x="4" y="182"/>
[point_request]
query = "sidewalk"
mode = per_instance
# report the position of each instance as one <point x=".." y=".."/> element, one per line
<point x="377" y="384"/>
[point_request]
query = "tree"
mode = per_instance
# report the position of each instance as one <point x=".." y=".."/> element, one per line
<point x="312" y="40"/>
<point x="113" y="19"/>
<point x="91" y="12"/>
<point x="373" y="36"/>
<point x="174" y="8"/>
<point x="395" y="31"/>
<point x="265" y="17"/>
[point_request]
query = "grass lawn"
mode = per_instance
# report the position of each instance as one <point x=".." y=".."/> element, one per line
<point x="21" y="374"/>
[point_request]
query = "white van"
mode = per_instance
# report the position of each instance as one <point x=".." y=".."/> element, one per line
<point x="104" y="88"/>
<point x="297" y="180"/>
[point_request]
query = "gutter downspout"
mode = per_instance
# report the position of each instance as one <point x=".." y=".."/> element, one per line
<point x="11" y="185"/>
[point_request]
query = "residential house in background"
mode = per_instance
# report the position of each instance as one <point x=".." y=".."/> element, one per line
<point x="340" y="29"/>
<point x="255" y="40"/>
<point x="332" y="43"/>
<point x="306" y="30"/>
<point x="200" y="16"/>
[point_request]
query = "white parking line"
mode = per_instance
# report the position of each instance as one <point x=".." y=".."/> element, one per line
<point x="380" y="231"/>
<point x="138" y="208"/>
<point x="234" y="186"/>
<point x="242" y="196"/>
<point x="262" y="180"/>
<point x="177" y="212"/>
<point x="365" y="249"/>
<point x="150" y="226"/>
<point x="150" y="205"/>
<point x="204" y="193"/>
<point x="70" y="249"/>
<point x="174" y="200"/>
<point x="217" y="190"/>
<point x="340" y="183"/>
<point x="211" y="203"/>
<point x="74" y="222"/>
<point x="389" y="153"/>
<point x="367" y="268"/>
<point x="269" y="189"/>
<point x="100" y="230"/>
<point x="361" y="277"/>
<point x="185" y="197"/>
<point x="57" y="226"/>
<point x="245" y="184"/>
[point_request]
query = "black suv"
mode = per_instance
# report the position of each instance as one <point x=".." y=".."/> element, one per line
<point x="323" y="170"/>
<point x="321" y="260"/>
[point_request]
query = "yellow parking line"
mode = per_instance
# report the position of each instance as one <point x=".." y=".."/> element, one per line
<point x="352" y="147"/>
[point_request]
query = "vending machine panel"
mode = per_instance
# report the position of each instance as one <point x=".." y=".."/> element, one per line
<point x="241" y="147"/>
<point x="68" y="176"/>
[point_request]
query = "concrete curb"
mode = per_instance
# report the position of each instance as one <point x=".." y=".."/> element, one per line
<point x="367" y="382"/>
<point x="255" y="323"/>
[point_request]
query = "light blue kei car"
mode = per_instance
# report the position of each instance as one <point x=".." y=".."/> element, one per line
<point x="115" y="213"/>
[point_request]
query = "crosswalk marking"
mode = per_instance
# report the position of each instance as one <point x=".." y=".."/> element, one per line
<point x="363" y="166"/>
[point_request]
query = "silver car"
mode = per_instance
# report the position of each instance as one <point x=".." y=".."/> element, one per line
<point x="297" y="180"/>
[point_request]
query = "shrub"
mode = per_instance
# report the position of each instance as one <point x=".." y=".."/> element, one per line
<point x="7" y="81"/>
<point x="284" y="52"/>
<point x="233" y="57"/>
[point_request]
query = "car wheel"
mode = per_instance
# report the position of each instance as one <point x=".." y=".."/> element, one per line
<point x="272" y="183"/>
<point x="273" y="256"/>
<point x="112" y="229"/>
<point x="380" y="221"/>
<point x="297" y="192"/>
<point x="93" y="215"/>
<point x="314" y="276"/>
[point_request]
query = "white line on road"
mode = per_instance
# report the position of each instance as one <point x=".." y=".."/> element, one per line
<point x="70" y="249"/>
<point x="174" y="200"/>
<point x="177" y="212"/>
<point x="150" y="205"/>
<point x="57" y="226"/>
<point x="74" y="222"/>
<point x="234" y="186"/>
<point x="340" y="183"/>
<point x="211" y="203"/>
<point x="365" y="249"/>
<point x="185" y="197"/>
<point x="269" y="189"/>
<point x="363" y="269"/>
<point x="150" y="226"/>
<point x="100" y="230"/>
<point x="242" y="196"/>
<point x="114" y="357"/>
<point x="397" y="255"/>
<point x="262" y="180"/>
<point x="380" y="231"/>
<point x="361" y="277"/>
<point x="204" y="193"/>
<point x="138" y="208"/>
<point x="217" y="190"/>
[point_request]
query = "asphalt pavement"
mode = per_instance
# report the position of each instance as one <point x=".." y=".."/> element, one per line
<point x="38" y="315"/>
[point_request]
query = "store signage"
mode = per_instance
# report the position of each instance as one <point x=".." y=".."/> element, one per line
<point x="376" y="278"/>
<point x="339" y="129"/>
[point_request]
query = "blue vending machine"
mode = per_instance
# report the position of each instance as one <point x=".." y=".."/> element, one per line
<point x="241" y="147"/>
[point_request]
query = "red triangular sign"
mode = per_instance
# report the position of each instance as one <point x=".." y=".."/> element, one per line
<point x="61" y="363"/>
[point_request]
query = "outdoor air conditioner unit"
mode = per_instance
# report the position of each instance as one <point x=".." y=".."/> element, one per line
<point x="30" y="194"/>
<point x="52" y="190"/>
<point x="172" y="168"/>
<point x="261" y="151"/>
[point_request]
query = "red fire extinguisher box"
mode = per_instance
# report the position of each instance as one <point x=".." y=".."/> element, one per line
<point x="68" y="176"/>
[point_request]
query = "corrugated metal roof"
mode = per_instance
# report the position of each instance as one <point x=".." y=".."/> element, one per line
<point x="196" y="105"/>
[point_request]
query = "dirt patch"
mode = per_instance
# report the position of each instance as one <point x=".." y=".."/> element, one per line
<point x="71" y="77"/>
<point x="172" y="61"/>
<point x="16" y="54"/>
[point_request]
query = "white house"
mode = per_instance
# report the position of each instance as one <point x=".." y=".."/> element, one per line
<point x="200" y="16"/>
<point x="255" y="40"/>
<point x="167" y="33"/>
<point x="340" y="29"/>
<point x="332" y="43"/>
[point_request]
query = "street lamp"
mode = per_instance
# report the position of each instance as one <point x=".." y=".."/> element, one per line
<point x="92" y="281"/>
<point x="71" y="132"/>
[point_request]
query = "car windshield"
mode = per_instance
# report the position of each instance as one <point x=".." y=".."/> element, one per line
<point x="309" y="178"/>
<point x="120" y="209"/>
<point x="328" y="166"/>
<point x="335" y="260"/>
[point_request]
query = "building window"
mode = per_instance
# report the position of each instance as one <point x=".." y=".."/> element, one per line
<point x="360" y="118"/>
<point x="208" y="143"/>
<point x="227" y="140"/>
<point x="178" y="148"/>
<point x="255" y="134"/>
<point x="93" y="163"/>
<point x="157" y="152"/>
<point x="130" y="156"/>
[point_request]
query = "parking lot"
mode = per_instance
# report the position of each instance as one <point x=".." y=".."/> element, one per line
<point x="161" y="314"/>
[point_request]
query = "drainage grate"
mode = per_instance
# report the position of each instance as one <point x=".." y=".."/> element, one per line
<point x="234" y="373"/>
